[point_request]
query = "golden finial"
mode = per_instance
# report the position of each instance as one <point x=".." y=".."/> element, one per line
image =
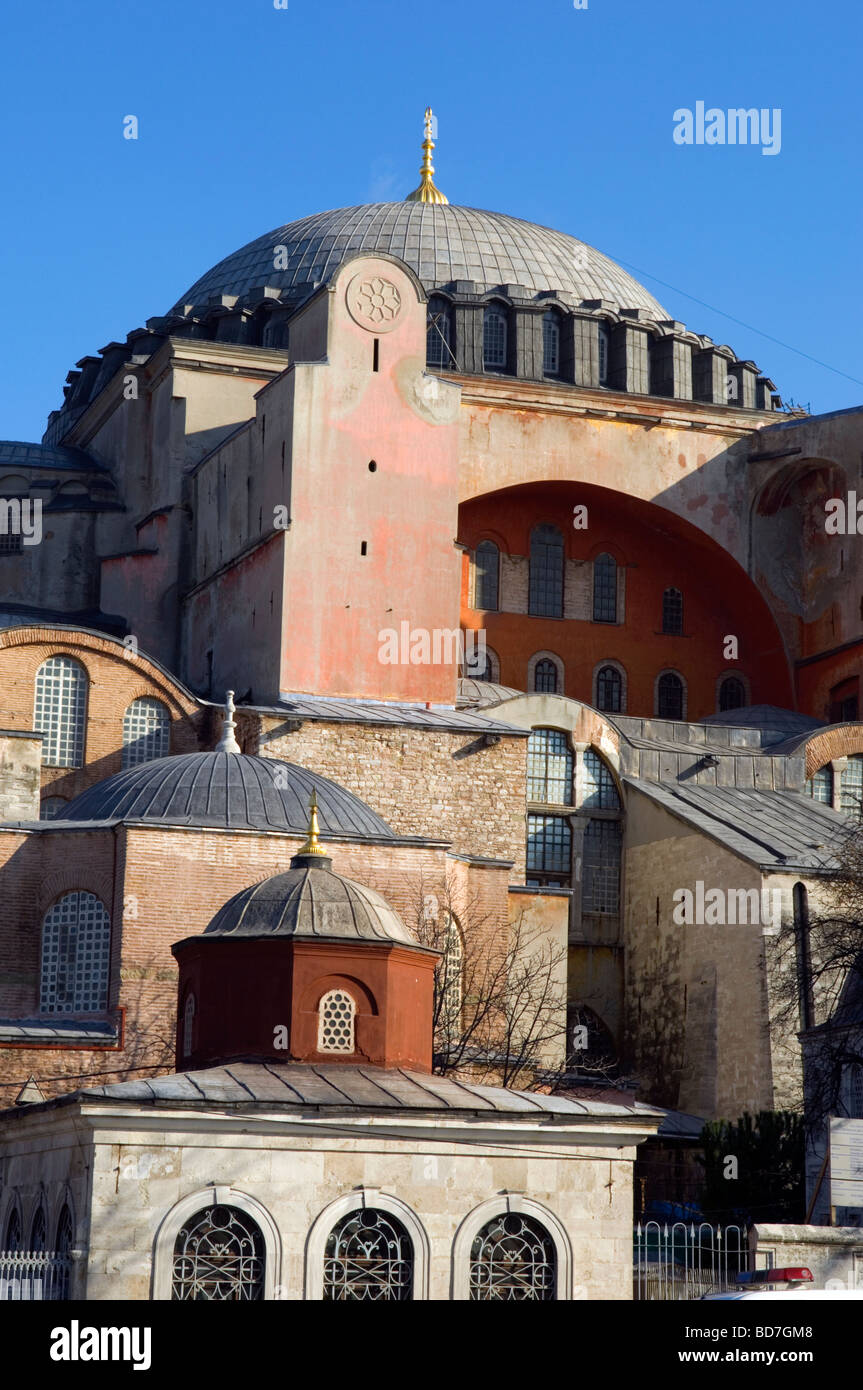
<point x="427" y="193"/>
<point x="311" y="846"/>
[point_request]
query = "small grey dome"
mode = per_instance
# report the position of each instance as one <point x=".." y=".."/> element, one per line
<point x="233" y="791"/>
<point x="310" y="901"/>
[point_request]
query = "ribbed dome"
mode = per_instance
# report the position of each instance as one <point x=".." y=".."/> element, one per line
<point x="310" y="901"/>
<point x="229" y="790"/>
<point x="440" y="243"/>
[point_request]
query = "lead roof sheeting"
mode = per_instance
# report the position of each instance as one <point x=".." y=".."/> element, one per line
<point x="371" y="712"/>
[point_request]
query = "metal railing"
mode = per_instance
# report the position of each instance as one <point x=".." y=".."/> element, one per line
<point x="684" y="1260"/>
<point x="34" y="1276"/>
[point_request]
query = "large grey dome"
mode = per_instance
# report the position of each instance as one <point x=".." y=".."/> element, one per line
<point x="441" y="243"/>
<point x="233" y="791"/>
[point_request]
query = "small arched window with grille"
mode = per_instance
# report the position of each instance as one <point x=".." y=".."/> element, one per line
<point x="609" y="690"/>
<point x="146" y="732"/>
<point x="669" y="696"/>
<point x="368" y="1259"/>
<point x="513" y="1260"/>
<point x="603" y="356"/>
<point x="545" y="598"/>
<point x="550" y="343"/>
<point x="60" y="711"/>
<point x="732" y="694"/>
<point x="486" y="576"/>
<point x="605" y="589"/>
<point x="852" y="1090"/>
<point x="219" y="1257"/>
<point x="336" y="1022"/>
<point x="545" y="677"/>
<point x="76" y="949"/>
<point x="189" y="1025"/>
<point x="672" y="611"/>
<point x="599" y="792"/>
<point x="851" y="787"/>
<point x="65" y="1234"/>
<point x="438" y="334"/>
<point x="39" y="1230"/>
<point x="13" y="1231"/>
<point x="494" y="337"/>
<point x="820" y="785"/>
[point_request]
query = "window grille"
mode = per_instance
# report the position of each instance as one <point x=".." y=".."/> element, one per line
<point x="851" y="787"/>
<point x="549" y="768"/>
<point x="669" y="702"/>
<point x="546" y="572"/>
<point x="219" y="1258"/>
<point x="672" y="611"/>
<point x="368" y="1259"/>
<point x="452" y="978"/>
<point x="11" y="543"/>
<point x="486" y="572"/>
<point x="605" y="589"/>
<point x="603" y="356"/>
<point x="549" y="846"/>
<point x="65" y="1235"/>
<point x="513" y="1259"/>
<point x="60" y="711"/>
<point x="601" y="888"/>
<point x="336" y="1015"/>
<point x="732" y="694"/>
<point x="51" y="807"/>
<point x="820" y="785"/>
<point x="188" y="1025"/>
<point x="13" y="1231"/>
<point x="39" y="1231"/>
<point x="852" y="1091"/>
<point x="76" y="944"/>
<point x="600" y="792"/>
<point x="146" y="732"/>
<point x="545" y="677"/>
<point x="609" y="690"/>
<point x="493" y="338"/>
<point x="438" y="335"/>
<point x="550" y="343"/>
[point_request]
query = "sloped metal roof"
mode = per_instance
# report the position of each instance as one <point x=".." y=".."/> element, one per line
<point x="17" y="453"/>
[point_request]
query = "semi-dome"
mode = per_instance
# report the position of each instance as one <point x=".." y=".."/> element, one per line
<point x="440" y="242"/>
<point x="232" y="791"/>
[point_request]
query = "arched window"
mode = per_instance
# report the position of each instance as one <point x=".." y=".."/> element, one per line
<point x="60" y="711"/>
<point x="732" y="694"/>
<point x="513" y="1259"/>
<point x="51" y="807"/>
<point x="609" y="690"/>
<point x="39" y="1230"/>
<point x="549" y="768"/>
<point x="13" y="1231"/>
<point x="672" y="611"/>
<point x="820" y="785"/>
<point x="494" y="337"/>
<point x="65" y="1234"/>
<point x="546" y="572"/>
<point x="189" y="1025"/>
<point x="605" y="589"/>
<point x="146" y="732"/>
<point x="851" y="787"/>
<point x="219" y="1258"/>
<point x="438" y="334"/>
<point x="550" y="343"/>
<point x="669" y="696"/>
<point x="76" y="945"/>
<point x="336" y="1017"/>
<point x="599" y="790"/>
<point x="545" y="677"/>
<point x="486" y="572"/>
<point x="603" y="356"/>
<point x="368" y="1259"/>
<point x="852" y="1091"/>
<point x="549" y="851"/>
<point x="451" y="976"/>
<point x="601" y="887"/>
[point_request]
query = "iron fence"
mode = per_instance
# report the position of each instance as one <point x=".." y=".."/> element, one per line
<point x="34" y="1276"/>
<point x="684" y="1259"/>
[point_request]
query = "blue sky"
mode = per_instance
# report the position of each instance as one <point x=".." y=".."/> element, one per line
<point x="251" y="116"/>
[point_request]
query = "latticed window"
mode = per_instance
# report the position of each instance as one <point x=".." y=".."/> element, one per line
<point x="60" y="711"/>
<point x="550" y="343"/>
<point x="549" y="767"/>
<point x="494" y="337"/>
<point x="852" y="1091"/>
<point x="486" y="572"/>
<point x="336" y="1015"/>
<point x="605" y="589"/>
<point x="669" y="696"/>
<point x="820" y="785"/>
<point x="11" y="543"/>
<point x="549" y="847"/>
<point x="50" y="807"/>
<point x="368" y="1259"/>
<point x="672" y="611"/>
<point x="601" y="889"/>
<point x="219" y="1257"/>
<point x="146" y="732"/>
<point x="13" y="1231"/>
<point x="513" y="1259"/>
<point x="732" y="694"/>
<point x="599" y="790"/>
<point x="603" y="356"/>
<point x="189" y="1025"/>
<point x="546" y="572"/>
<point x="609" y="690"/>
<point x="438" y="334"/>
<point x="545" y="677"/>
<point x="76" y="946"/>
<point x="851" y="787"/>
<point x="452" y="977"/>
<point x="39" y="1230"/>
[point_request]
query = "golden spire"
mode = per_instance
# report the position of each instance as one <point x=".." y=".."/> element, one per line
<point x="311" y="846"/>
<point x="427" y="193"/>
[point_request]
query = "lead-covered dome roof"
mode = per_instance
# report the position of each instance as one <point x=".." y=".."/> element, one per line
<point x="441" y="243"/>
<point x="230" y="791"/>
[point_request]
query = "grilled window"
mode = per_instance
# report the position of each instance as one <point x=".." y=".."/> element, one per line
<point x="732" y="694"/>
<point x="451" y="970"/>
<point x="605" y="589"/>
<point x="60" y="711"/>
<point x="146" y="732"/>
<point x="39" y="1230"/>
<point x="550" y="343"/>
<point x="545" y="677"/>
<point x="336" y="1015"/>
<point x="368" y="1259"/>
<point x="494" y="338"/>
<point x="189" y="1025"/>
<point x="672" y="611"/>
<point x="820" y="785"/>
<point x="513" y="1259"/>
<point x="546" y="572"/>
<point x="669" y="696"/>
<point x="13" y="1231"/>
<point x="601" y="891"/>
<point x="76" y="946"/>
<point x="549" y="846"/>
<point x="486" y="572"/>
<point x="852" y="1091"/>
<point x="600" y="792"/>
<point x="11" y="543"/>
<point x="851" y="787"/>
<point x="219" y="1257"/>
<point x="609" y="690"/>
<point x="51" y="807"/>
<point x="603" y="356"/>
<point x="438" y="334"/>
<point x="65" y="1235"/>
<point x="549" y="768"/>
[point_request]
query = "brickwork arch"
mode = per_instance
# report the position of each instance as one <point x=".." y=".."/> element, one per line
<point x="829" y="744"/>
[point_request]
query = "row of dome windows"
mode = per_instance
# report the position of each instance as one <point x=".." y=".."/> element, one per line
<point x="60" y="716"/>
<point x="440" y="344"/>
